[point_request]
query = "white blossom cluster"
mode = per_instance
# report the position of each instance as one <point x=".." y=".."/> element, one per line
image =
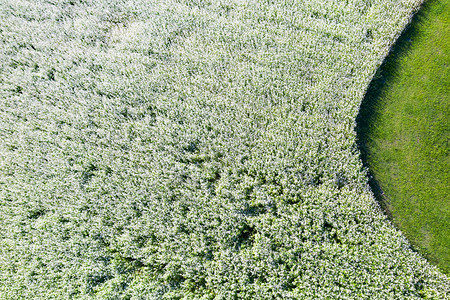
<point x="195" y="149"/>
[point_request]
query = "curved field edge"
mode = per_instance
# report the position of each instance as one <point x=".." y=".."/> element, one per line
<point x="195" y="149"/>
<point x="404" y="129"/>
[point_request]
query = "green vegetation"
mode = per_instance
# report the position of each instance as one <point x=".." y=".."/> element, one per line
<point x="186" y="149"/>
<point x="406" y="127"/>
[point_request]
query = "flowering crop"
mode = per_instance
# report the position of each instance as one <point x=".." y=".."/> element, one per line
<point x="189" y="149"/>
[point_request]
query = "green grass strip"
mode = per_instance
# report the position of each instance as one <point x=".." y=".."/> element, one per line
<point x="407" y="129"/>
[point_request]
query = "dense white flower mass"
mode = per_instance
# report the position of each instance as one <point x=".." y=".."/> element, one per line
<point x="187" y="149"/>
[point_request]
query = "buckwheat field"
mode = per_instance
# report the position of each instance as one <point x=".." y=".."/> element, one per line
<point x="188" y="149"/>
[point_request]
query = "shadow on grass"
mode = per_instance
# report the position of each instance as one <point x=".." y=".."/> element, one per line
<point x="369" y="109"/>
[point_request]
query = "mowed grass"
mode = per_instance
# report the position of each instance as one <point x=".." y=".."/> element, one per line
<point x="405" y="129"/>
